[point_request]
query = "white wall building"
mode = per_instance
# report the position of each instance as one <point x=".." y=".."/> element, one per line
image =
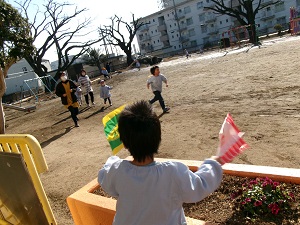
<point x="19" y="72"/>
<point x="188" y="24"/>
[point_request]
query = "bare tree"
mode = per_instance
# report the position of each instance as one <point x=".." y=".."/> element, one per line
<point x="114" y="34"/>
<point x="244" y="11"/>
<point x="15" y="42"/>
<point x="94" y="58"/>
<point x="55" y="26"/>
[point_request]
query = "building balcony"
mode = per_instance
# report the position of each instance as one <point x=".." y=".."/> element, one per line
<point x="266" y="2"/>
<point x="145" y="38"/>
<point x="179" y="16"/>
<point x="212" y="31"/>
<point x="183" y="26"/>
<point x="209" y="4"/>
<point x="147" y="48"/>
<point x="184" y="39"/>
<point x="164" y="38"/>
<point x="267" y="15"/>
<point x="210" y="19"/>
<point x="145" y="27"/>
<point x="166" y="44"/>
<point x="162" y="27"/>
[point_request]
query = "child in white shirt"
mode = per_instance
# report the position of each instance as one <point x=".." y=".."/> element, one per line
<point x="78" y="94"/>
<point x="105" y="92"/>
<point x="150" y="192"/>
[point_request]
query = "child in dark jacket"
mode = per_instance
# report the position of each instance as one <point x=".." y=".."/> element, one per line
<point x="66" y="91"/>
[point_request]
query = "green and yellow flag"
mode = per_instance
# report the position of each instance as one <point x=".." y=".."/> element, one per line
<point x="110" y="123"/>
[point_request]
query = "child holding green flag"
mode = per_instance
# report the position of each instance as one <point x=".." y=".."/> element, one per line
<point x="150" y="192"/>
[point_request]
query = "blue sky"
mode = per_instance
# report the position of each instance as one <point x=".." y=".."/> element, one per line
<point x="100" y="12"/>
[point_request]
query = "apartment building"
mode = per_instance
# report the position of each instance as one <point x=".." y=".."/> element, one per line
<point x="187" y="24"/>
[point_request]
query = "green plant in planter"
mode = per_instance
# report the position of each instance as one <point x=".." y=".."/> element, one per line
<point x="263" y="197"/>
<point x="279" y="28"/>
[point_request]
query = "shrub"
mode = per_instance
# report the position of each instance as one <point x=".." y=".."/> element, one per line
<point x="263" y="197"/>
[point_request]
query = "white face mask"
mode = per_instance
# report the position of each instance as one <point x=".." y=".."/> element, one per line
<point x="64" y="78"/>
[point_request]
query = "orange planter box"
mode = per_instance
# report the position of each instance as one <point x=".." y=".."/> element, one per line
<point x="92" y="209"/>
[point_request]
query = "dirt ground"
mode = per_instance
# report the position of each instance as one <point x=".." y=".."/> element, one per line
<point x="259" y="87"/>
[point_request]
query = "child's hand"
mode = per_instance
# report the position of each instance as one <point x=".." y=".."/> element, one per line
<point x="218" y="159"/>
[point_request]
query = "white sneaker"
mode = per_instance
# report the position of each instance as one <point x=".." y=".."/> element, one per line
<point x="94" y="103"/>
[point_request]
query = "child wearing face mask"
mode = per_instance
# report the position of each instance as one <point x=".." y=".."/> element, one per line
<point x="66" y="91"/>
<point x="86" y="84"/>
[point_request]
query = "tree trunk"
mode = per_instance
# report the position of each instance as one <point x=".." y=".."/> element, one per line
<point x="38" y="69"/>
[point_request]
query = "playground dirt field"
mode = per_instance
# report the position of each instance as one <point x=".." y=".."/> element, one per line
<point x="259" y="87"/>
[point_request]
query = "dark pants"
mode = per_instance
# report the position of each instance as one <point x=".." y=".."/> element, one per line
<point x="109" y="101"/>
<point x="157" y="96"/>
<point x="74" y="113"/>
<point x="87" y="97"/>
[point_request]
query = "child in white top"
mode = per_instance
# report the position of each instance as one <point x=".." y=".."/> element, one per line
<point x="105" y="92"/>
<point x="86" y="84"/>
<point x="150" y="192"/>
<point x="78" y="94"/>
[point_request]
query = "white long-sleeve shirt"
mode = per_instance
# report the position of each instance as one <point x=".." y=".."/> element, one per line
<point x="105" y="91"/>
<point x="154" y="194"/>
<point x="85" y="83"/>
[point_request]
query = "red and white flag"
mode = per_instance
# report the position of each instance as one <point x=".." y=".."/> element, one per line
<point x="231" y="142"/>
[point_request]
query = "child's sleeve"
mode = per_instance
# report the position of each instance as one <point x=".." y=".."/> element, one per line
<point x="106" y="175"/>
<point x="163" y="78"/>
<point x="101" y="92"/>
<point x="196" y="186"/>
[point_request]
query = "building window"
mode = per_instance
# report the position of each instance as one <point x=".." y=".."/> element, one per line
<point x="187" y="9"/>
<point x="157" y="41"/>
<point x="279" y="7"/>
<point x="281" y="20"/>
<point x="153" y="20"/>
<point x="153" y="42"/>
<point x="207" y="1"/>
<point x="172" y="36"/>
<point x="177" y="35"/>
<point x="156" y="31"/>
<point x="168" y="14"/>
<point x="179" y="46"/>
<point x="201" y="17"/>
<point x="205" y="40"/>
<point x="220" y="22"/>
<point x="175" y="24"/>
<point x="24" y="69"/>
<point x="174" y="47"/>
<point x="170" y="25"/>
<point x="199" y="5"/>
<point x="227" y="20"/>
<point x="192" y="33"/>
<point x="194" y="43"/>
<point x="179" y="10"/>
<point x="204" y="29"/>
<point x="152" y="32"/>
<point x="189" y="21"/>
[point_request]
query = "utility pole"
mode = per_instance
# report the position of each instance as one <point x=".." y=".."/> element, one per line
<point x="106" y="51"/>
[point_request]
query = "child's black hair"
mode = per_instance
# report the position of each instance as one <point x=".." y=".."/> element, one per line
<point x="152" y="69"/>
<point x="140" y="130"/>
